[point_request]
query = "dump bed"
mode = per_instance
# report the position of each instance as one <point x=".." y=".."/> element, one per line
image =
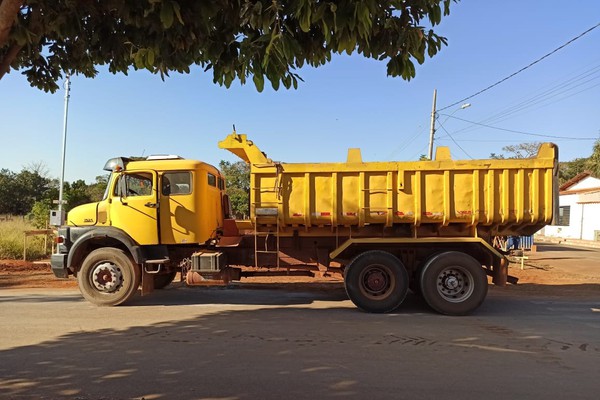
<point x="448" y="197"/>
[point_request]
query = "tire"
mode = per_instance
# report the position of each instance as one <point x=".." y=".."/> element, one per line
<point x="108" y="277"/>
<point x="161" y="281"/>
<point x="376" y="281"/>
<point x="453" y="283"/>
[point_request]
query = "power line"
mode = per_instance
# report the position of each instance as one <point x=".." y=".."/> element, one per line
<point x="455" y="142"/>
<point x="404" y="145"/>
<point x="522" y="69"/>
<point x="549" y="94"/>
<point x="523" y="133"/>
<point x="563" y="89"/>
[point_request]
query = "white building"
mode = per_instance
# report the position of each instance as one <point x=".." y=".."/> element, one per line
<point x="579" y="210"/>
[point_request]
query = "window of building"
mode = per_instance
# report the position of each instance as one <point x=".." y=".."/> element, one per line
<point x="174" y="183"/>
<point x="564" y="215"/>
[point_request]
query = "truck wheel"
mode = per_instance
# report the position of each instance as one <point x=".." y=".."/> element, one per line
<point x="376" y="281"/>
<point x="161" y="281"/>
<point x="108" y="277"/>
<point x="453" y="283"/>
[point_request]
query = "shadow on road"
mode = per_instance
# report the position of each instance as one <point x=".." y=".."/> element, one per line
<point x="290" y="350"/>
<point x="542" y="247"/>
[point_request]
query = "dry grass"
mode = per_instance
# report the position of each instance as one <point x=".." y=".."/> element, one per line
<point x="11" y="240"/>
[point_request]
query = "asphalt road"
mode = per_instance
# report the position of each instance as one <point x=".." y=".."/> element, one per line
<point x="263" y="343"/>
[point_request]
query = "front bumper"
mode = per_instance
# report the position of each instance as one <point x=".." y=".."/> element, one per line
<point x="58" y="263"/>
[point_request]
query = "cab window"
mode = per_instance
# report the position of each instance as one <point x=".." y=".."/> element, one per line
<point x="174" y="183"/>
<point x="135" y="184"/>
<point x="212" y="180"/>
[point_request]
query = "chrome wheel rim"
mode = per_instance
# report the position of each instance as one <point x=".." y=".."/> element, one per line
<point x="107" y="277"/>
<point x="455" y="284"/>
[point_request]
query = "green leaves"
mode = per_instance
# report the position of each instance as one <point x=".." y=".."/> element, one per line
<point x="259" y="81"/>
<point x="167" y="14"/>
<point x="233" y="40"/>
<point x="168" y="11"/>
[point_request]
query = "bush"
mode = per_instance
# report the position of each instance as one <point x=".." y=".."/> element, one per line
<point x="11" y="241"/>
<point x="39" y="215"/>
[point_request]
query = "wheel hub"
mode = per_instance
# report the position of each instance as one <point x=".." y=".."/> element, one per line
<point x="107" y="277"/>
<point x="376" y="281"/>
<point x="455" y="284"/>
<point x="451" y="282"/>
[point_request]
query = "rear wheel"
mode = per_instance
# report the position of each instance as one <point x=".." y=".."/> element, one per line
<point x="108" y="277"/>
<point x="161" y="281"/>
<point x="376" y="281"/>
<point x="453" y="283"/>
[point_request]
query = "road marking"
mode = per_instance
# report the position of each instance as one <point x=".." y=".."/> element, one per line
<point x="492" y="348"/>
<point x="595" y="309"/>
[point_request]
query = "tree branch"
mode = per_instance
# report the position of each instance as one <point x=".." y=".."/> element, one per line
<point x="10" y="56"/>
<point x="9" y="9"/>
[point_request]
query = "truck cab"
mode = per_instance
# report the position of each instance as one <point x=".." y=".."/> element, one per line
<point x="150" y="209"/>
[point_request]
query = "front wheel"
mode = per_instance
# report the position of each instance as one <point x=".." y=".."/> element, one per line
<point x="453" y="283"/>
<point x="108" y="277"/>
<point x="376" y="281"/>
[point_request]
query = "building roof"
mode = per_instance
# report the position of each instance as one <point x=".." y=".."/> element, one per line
<point x="575" y="180"/>
<point x="590" y="197"/>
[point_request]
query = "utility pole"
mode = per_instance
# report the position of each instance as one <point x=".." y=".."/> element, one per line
<point x="432" y="130"/>
<point x="61" y="214"/>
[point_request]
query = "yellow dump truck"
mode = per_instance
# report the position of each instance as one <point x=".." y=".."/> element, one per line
<point x="384" y="226"/>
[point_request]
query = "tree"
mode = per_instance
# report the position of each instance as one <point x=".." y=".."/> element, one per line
<point x="593" y="162"/>
<point x="96" y="190"/>
<point x="237" y="181"/>
<point x="569" y="169"/>
<point x="236" y="39"/>
<point x="7" y="179"/>
<point x="76" y="194"/>
<point x="522" y="150"/>
<point x="39" y="214"/>
<point x="24" y="189"/>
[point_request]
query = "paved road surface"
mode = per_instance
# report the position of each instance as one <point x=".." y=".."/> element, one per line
<point x="261" y="343"/>
<point x="569" y="259"/>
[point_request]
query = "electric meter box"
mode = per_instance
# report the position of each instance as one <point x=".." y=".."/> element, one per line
<point x="57" y="218"/>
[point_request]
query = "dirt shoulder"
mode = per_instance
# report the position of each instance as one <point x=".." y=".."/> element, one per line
<point x="27" y="274"/>
<point x="551" y="270"/>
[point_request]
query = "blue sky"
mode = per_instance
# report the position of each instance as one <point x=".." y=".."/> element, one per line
<point x="349" y="102"/>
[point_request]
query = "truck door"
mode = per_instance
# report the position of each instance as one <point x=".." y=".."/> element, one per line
<point x="134" y="206"/>
<point x="179" y="215"/>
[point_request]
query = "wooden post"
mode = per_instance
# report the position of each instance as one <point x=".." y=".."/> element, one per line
<point x="44" y="232"/>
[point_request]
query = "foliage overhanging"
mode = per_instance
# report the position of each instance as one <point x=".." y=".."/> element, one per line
<point x="238" y="40"/>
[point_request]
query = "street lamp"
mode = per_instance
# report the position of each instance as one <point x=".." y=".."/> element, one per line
<point x="433" y="115"/>
<point x="61" y="213"/>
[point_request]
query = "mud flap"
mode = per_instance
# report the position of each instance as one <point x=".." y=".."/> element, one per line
<point x="500" y="274"/>
<point x="147" y="283"/>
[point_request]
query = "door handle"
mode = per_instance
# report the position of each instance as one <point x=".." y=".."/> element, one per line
<point x="151" y="205"/>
